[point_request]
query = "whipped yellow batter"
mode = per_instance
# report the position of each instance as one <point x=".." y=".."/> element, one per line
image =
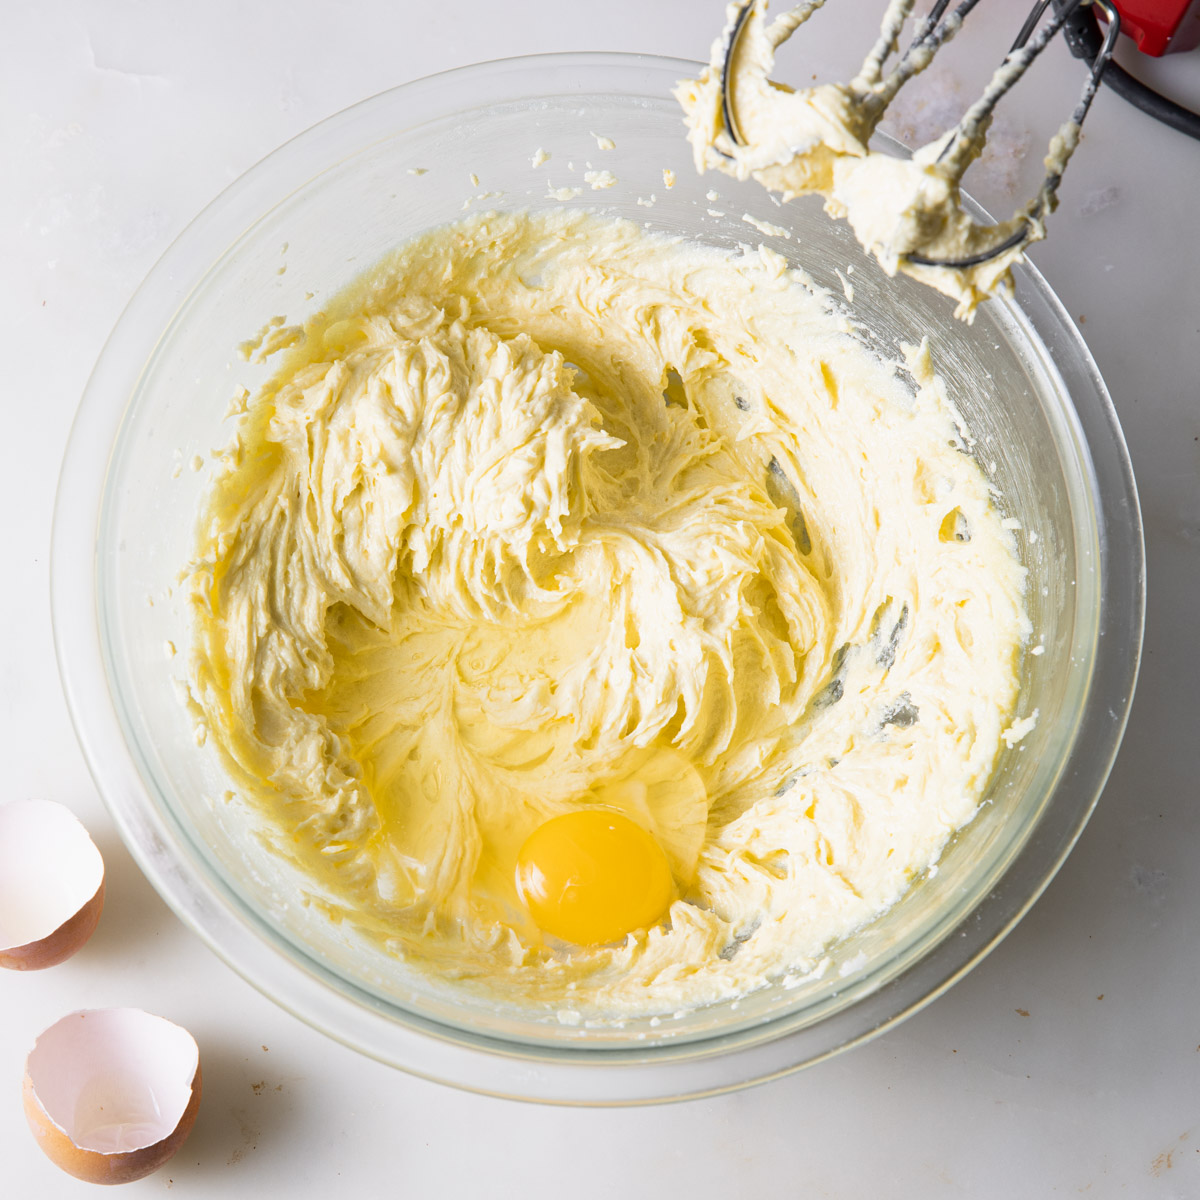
<point x="550" y="512"/>
<point x="815" y="140"/>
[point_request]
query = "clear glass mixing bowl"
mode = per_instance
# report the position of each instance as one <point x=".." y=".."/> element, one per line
<point x="326" y="206"/>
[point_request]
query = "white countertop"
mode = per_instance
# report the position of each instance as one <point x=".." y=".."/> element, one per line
<point x="1067" y="1063"/>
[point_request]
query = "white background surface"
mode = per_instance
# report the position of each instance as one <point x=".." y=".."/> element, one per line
<point x="1067" y="1063"/>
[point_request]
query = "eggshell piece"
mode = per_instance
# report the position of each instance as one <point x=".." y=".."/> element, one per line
<point x="111" y="1094"/>
<point x="51" y="884"/>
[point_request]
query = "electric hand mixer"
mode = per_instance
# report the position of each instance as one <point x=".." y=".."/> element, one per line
<point x="1155" y="25"/>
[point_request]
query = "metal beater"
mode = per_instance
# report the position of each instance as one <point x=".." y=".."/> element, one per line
<point x="873" y="89"/>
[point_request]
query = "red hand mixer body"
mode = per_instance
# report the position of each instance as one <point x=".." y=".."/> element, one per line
<point x="1160" y="26"/>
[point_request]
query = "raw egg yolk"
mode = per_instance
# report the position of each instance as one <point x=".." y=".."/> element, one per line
<point x="592" y="876"/>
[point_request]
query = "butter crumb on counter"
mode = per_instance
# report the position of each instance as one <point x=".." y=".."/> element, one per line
<point x="540" y="156"/>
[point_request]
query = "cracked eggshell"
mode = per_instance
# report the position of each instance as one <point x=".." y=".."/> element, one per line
<point x="51" y="884"/>
<point x="111" y="1094"/>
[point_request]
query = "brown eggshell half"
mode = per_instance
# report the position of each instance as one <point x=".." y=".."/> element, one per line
<point x="111" y="1094"/>
<point x="61" y="944"/>
<point x="51" y="884"/>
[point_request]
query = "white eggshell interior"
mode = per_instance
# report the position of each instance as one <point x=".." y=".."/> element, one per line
<point x="49" y="869"/>
<point x="114" y="1079"/>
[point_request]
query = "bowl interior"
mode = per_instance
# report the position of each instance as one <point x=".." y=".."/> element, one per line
<point x="314" y="216"/>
